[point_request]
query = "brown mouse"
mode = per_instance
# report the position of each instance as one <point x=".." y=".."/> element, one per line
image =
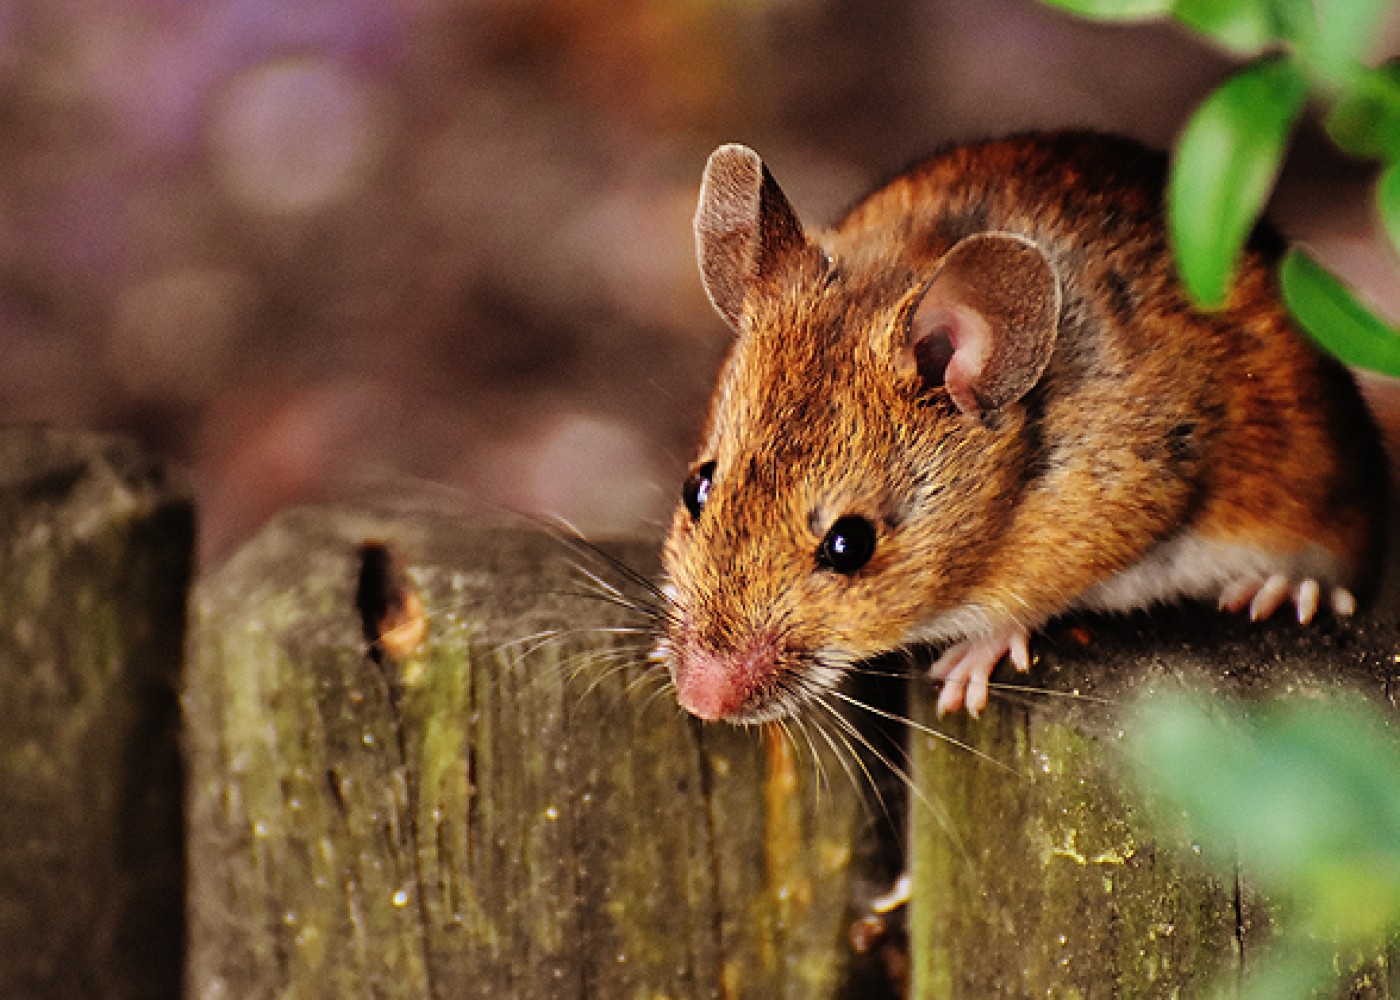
<point x="984" y="399"/>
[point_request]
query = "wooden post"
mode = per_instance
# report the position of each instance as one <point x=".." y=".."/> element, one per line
<point x="95" y="560"/>
<point x="1035" y="875"/>
<point x="488" y="814"/>
<point x="475" y="818"/>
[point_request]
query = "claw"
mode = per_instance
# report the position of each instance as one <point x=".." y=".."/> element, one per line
<point x="1269" y="597"/>
<point x="1237" y="595"/>
<point x="1306" y="598"/>
<point x="1021" y="652"/>
<point x="966" y="669"/>
<point x="1264" y="597"/>
<point x="950" y="699"/>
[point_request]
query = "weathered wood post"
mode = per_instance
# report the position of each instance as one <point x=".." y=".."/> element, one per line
<point x="95" y="560"/>
<point x="473" y="818"/>
<point x="1040" y="876"/>
<point x="477" y="817"/>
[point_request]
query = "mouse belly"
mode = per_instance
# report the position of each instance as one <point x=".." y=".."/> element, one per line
<point x="1235" y="574"/>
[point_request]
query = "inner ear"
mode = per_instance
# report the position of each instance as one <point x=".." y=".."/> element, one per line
<point x="985" y="325"/>
<point x="932" y="351"/>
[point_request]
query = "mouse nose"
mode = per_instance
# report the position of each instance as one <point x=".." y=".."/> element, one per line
<point x="713" y="684"/>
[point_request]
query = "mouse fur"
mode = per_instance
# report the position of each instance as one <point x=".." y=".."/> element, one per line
<point x="1113" y="447"/>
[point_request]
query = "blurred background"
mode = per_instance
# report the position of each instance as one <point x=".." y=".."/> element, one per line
<point x="439" y="251"/>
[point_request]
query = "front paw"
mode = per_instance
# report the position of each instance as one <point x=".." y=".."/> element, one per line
<point x="966" y="668"/>
<point x="1265" y="596"/>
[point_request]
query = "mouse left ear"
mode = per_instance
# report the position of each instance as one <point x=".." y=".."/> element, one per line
<point x="746" y="233"/>
<point x="985" y="324"/>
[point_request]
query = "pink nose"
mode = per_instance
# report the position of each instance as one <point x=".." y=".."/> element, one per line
<point x="712" y="685"/>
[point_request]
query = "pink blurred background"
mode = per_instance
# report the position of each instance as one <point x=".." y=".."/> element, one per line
<point x="440" y="250"/>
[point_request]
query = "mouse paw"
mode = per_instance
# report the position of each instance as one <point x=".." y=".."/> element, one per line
<point x="966" y="668"/>
<point x="1265" y="596"/>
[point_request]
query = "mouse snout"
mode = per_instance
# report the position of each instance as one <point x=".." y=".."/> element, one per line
<point x="724" y="684"/>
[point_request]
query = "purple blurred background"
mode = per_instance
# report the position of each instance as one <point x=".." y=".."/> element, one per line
<point x="440" y="250"/>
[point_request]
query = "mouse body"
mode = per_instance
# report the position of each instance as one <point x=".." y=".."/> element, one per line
<point x="981" y="400"/>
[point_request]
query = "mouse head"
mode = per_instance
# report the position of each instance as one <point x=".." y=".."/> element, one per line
<point x="860" y="437"/>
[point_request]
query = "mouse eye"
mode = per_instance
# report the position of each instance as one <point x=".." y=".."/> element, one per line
<point x="697" y="488"/>
<point x="848" y="545"/>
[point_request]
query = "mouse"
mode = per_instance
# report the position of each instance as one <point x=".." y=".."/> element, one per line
<point x="982" y="400"/>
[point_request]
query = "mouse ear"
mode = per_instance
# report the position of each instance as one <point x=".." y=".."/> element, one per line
<point x="986" y="323"/>
<point x="745" y="230"/>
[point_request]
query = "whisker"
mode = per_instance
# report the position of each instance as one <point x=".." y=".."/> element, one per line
<point x="1004" y="688"/>
<point x="845" y="761"/>
<point x="945" y="819"/>
<point x="566" y="638"/>
<point x="658" y="609"/>
<point x="617" y="630"/>
<point x="528" y="644"/>
<point x="572" y="663"/>
<point x="663" y="687"/>
<point x="794" y="722"/>
<point x="617" y="658"/>
<point x="603" y="585"/>
<point x="844" y="731"/>
<point x="657" y="615"/>
<point x="925" y="729"/>
<point x="920" y="676"/>
<point x="645" y="677"/>
<point x="536" y="641"/>
<point x="612" y="670"/>
<point x="574" y="539"/>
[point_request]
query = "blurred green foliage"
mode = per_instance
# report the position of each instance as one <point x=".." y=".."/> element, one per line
<point x="1302" y="796"/>
<point x="1230" y="150"/>
<point x="1226" y="161"/>
<point x="1320" y="302"/>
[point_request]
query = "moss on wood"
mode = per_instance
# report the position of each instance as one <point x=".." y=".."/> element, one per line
<point x="1038" y="875"/>
<point x="95" y="561"/>
<point x="492" y="815"/>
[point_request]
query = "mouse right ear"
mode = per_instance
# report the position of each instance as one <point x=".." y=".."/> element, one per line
<point x="986" y="323"/>
<point x="745" y="230"/>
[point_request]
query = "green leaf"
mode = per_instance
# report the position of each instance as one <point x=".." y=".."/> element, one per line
<point x="1331" y="314"/>
<point x="1300" y="794"/>
<point x="1223" y="169"/>
<point x="1366" y="118"/>
<point x="1388" y="202"/>
<point x="1114" y="10"/>
<point x="1344" y="31"/>
<point x="1245" y="26"/>
<point x="1352" y="742"/>
<point x="1176" y="745"/>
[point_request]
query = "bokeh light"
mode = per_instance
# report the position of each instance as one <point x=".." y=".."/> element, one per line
<point x="294" y="247"/>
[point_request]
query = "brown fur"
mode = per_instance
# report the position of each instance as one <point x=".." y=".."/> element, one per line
<point x="1152" y="418"/>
